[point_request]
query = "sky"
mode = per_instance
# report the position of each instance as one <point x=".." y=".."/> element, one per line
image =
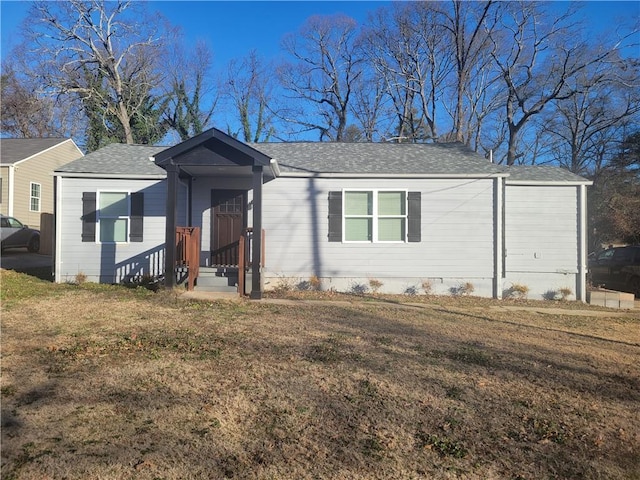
<point x="233" y="28"/>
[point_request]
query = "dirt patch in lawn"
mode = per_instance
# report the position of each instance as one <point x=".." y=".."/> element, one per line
<point x="115" y="384"/>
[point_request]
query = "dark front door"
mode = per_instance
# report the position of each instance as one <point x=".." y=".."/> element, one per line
<point x="227" y="223"/>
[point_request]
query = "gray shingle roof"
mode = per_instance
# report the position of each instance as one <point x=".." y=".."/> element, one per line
<point x="378" y="158"/>
<point x="13" y="150"/>
<point x="541" y="173"/>
<point x="347" y="158"/>
<point x="117" y="159"/>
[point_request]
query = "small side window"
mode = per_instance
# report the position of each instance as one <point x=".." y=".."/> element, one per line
<point x="34" y="202"/>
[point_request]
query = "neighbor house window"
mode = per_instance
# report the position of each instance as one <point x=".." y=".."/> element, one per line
<point x="375" y="216"/>
<point x="113" y="217"/>
<point x="34" y="201"/>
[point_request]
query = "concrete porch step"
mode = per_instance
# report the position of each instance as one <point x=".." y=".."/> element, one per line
<point x="211" y="279"/>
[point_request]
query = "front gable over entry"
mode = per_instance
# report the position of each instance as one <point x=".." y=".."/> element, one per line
<point x="214" y="153"/>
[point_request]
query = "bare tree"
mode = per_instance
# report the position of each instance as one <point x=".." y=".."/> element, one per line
<point x="249" y="87"/>
<point x="578" y="128"/>
<point x="470" y="27"/>
<point x="614" y="200"/>
<point x="24" y="113"/>
<point x="543" y="55"/>
<point x="102" y="52"/>
<point x="321" y="78"/>
<point x="368" y="107"/>
<point x="409" y="53"/>
<point x="190" y="88"/>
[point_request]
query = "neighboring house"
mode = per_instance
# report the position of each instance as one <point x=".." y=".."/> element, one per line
<point x="26" y="175"/>
<point x="338" y="213"/>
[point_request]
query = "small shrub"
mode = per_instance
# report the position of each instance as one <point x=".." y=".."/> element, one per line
<point x="565" y="292"/>
<point x="150" y="282"/>
<point x="284" y="285"/>
<point x="359" y="288"/>
<point x="375" y="285"/>
<point x="427" y="286"/>
<point x="81" y="278"/>
<point x="411" y="290"/>
<point x="518" y="291"/>
<point x="466" y="288"/>
<point x="315" y="283"/>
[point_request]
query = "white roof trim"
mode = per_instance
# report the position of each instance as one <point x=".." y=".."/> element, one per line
<point x="392" y="175"/>
<point x="275" y="168"/>
<point x="47" y="149"/>
<point x="110" y="175"/>
<point x="548" y="182"/>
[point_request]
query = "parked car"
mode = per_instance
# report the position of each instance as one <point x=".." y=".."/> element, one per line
<point x="13" y="234"/>
<point x="617" y="268"/>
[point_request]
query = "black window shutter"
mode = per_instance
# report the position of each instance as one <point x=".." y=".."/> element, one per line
<point x="88" y="216"/>
<point x="335" y="216"/>
<point x="414" y="217"/>
<point x="137" y="217"/>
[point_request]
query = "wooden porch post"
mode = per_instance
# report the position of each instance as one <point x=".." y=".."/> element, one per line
<point x="171" y="225"/>
<point x="256" y="248"/>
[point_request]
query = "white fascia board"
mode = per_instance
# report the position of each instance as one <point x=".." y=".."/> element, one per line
<point x="549" y="183"/>
<point x="275" y="168"/>
<point x="109" y="176"/>
<point x="391" y="175"/>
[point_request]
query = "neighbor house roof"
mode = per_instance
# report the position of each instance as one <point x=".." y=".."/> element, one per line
<point x="542" y="174"/>
<point x="13" y="150"/>
<point x="305" y="158"/>
<point x="116" y="160"/>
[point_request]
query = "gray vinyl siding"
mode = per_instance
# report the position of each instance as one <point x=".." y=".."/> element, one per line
<point x="541" y="237"/>
<point x="456" y="221"/>
<point x="111" y="263"/>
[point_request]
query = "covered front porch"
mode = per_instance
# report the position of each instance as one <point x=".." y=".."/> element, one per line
<point x="214" y="204"/>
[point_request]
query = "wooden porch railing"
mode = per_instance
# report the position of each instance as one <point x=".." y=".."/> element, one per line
<point x="188" y="252"/>
<point x="227" y="256"/>
<point x="244" y="262"/>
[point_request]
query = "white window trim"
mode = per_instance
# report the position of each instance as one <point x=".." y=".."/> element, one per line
<point x="374" y="216"/>
<point x="31" y="197"/>
<point x="98" y="216"/>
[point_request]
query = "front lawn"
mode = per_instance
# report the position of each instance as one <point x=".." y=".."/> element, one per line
<point x="115" y="383"/>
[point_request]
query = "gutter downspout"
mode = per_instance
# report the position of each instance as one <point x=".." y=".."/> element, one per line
<point x="581" y="290"/>
<point x="57" y="205"/>
<point x="498" y="251"/>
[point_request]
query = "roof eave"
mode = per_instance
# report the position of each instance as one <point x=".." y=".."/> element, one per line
<point x="129" y="176"/>
<point x="549" y="182"/>
<point x="390" y="175"/>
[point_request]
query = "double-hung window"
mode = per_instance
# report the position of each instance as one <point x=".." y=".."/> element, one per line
<point x="375" y="215"/>
<point x="113" y="217"/>
<point x="35" y="196"/>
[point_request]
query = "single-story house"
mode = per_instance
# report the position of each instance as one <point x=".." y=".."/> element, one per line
<point x="340" y="215"/>
<point x="26" y="175"/>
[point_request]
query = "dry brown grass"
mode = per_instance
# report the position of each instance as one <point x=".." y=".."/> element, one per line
<point x="106" y="385"/>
